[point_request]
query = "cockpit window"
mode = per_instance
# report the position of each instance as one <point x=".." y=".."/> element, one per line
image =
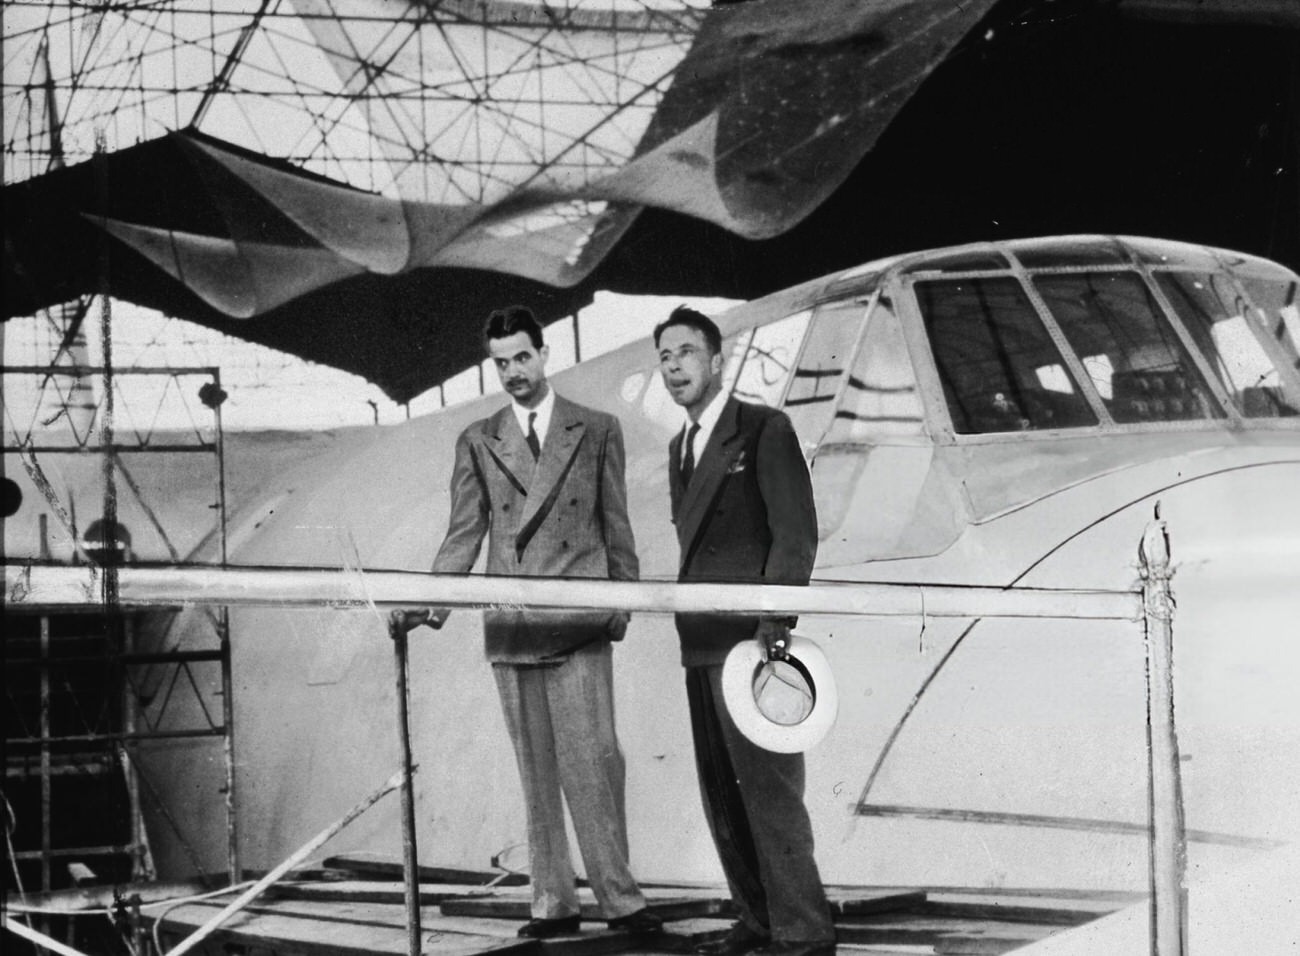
<point x="1133" y="355"/>
<point x="1276" y="307"/>
<point x="881" y="398"/>
<point x="810" y="401"/>
<point x="999" y="367"/>
<point x="764" y="370"/>
<point x="1232" y="337"/>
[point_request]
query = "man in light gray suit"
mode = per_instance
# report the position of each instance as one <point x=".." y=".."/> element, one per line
<point x="543" y="480"/>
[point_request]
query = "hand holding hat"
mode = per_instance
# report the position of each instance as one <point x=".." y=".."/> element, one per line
<point x="786" y="704"/>
<point x="773" y="635"/>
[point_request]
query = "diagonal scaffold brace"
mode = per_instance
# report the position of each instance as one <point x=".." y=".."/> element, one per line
<point x="299" y="855"/>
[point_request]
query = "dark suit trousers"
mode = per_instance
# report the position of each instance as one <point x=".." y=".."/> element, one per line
<point x="753" y="799"/>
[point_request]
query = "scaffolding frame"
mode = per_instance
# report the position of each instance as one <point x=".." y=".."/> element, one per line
<point x="100" y="750"/>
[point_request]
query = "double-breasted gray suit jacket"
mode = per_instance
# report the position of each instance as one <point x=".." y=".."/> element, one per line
<point x="747" y="516"/>
<point x="563" y="516"/>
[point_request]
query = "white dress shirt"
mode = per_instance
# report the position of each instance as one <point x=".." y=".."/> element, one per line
<point x="543" y="421"/>
<point x="707" y="422"/>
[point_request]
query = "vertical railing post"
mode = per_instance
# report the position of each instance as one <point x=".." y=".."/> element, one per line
<point x="410" y="862"/>
<point x="228" y="744"/>
<point x="222" y="621"/>
<point x="1168" y="846"/>
<point x="46" y="768"/>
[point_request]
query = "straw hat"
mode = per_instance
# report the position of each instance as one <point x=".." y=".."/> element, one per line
<point x="784" y="706"/>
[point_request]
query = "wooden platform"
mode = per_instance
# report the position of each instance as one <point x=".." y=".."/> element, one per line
<point x="342" y="914"/>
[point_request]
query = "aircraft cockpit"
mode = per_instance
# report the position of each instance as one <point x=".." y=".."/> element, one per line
<point x="1032" y="336"/>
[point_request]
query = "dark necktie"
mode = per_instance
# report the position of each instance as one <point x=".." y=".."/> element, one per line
<point x="688" y="456"/>
<point x="533" y="444"/>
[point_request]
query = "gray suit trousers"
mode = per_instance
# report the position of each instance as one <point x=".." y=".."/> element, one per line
<point x="561" y="721"/>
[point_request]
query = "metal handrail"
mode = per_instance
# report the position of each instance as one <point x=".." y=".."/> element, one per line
<point x="48" y="585"/>
<point x="29" y="585"/>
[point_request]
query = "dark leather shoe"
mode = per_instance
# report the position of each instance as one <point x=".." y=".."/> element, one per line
<point x="546" y="928"/>
<point x="642" y="922"/>
<point x="739" y="939"/>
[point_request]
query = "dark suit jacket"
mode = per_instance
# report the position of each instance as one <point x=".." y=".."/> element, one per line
<point x="748" y="516"/>
<point x="563" y="516"/>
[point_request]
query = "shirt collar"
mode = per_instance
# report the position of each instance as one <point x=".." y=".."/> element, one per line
<point x="708" y="421"/>
<point x="543" y="410"/>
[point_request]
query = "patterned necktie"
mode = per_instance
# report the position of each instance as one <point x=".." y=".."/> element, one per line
<point x="688" y="456"/>
<point x="533" y="444"/>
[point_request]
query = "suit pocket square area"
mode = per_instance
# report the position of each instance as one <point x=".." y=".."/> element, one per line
<point x="738" y="465"/>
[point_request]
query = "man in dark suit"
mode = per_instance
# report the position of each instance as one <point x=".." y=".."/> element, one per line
<point x="743" y="506"/>
<point x="543" y="480"/>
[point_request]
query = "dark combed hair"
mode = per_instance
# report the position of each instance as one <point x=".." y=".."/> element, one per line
<point x="685" y="315"/>
<point x="503" y="323"/>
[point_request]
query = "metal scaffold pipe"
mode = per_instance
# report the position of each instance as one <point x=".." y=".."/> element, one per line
<point x="78" y="586"/>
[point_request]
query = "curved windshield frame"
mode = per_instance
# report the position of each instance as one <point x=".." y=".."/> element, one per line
<point x="1120" y="347"/>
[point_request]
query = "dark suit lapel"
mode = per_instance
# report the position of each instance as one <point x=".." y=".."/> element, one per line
<point x="565" y="434"/>
<point x="710" y="473"/>
<point x="509" y="449"/>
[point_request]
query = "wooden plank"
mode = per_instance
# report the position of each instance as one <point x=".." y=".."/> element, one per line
<point x="1011" y="913"/>
<point x="392" y="916"/>
<point x="383" y="915"/>
<point x="920" y="931"/>
<point x="474" y="926"/>
<point x="589" y="944"/>
<point x="367" y="891"/>
<point x="363" y="914"/>
<point x="980" y="946"/>
<point x="354" y="923"/>
<point x="848" y="907"/>
<point x="316" y="937"/>
<point x="1051" y="895"/>
<point x="373" y="867"/>
<point x="599" y="943"/>
<point x="885" y="935"/>
<point x="519" y="909"/>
